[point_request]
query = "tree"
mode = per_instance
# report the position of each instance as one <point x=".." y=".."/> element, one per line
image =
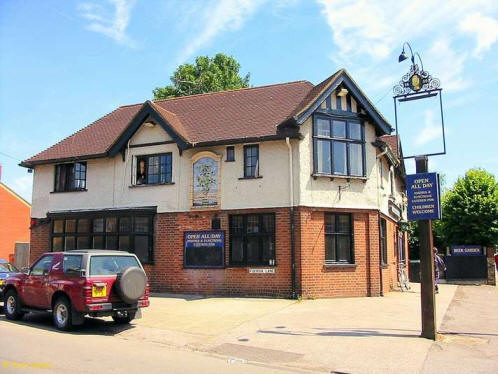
<point x="209" y="74"/>
<point x="470" y="210"/>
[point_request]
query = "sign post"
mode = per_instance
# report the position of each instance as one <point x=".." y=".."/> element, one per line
<point x="423" y="187"/>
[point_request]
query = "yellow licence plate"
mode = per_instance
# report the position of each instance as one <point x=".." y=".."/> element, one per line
<point x="2" y="282"/>
<point x="99" y="291"/>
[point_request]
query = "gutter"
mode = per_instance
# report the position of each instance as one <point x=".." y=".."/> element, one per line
<point x="292" y="224"/>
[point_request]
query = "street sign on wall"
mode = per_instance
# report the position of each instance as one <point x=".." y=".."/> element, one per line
<point x="423" y="196"/>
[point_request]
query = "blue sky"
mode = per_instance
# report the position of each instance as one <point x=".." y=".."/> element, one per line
<point x="63" y="64"/>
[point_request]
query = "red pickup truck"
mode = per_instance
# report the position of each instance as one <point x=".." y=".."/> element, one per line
<point x="77" y="283"/>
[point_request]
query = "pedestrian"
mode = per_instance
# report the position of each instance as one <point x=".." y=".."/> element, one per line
<point x="438" y="264"/>
<point x="496" y="259"/>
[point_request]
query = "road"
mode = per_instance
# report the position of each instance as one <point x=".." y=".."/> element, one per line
<point x="33" y="345"/>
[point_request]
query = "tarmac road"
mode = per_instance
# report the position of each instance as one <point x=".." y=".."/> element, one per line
<point x="34" y="346"/>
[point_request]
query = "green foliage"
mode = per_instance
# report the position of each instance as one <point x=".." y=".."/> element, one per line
<point x="470" y="210"/>
<point x="209" y="74"/>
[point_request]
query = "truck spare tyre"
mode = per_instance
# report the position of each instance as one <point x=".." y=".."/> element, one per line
<point x="130" y="284"/>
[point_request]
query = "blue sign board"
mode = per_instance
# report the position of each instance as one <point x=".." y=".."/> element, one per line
<point x="423" y="196"/>
<point x="466" y="250"/>
<point x="204" y="249"/>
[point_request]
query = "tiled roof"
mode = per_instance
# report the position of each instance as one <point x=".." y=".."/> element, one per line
<point x="244" y="113"/>
<point x="235" y="115"/>
<point x="391" y="141"/>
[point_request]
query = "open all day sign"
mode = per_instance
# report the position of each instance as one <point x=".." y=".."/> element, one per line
<point x="423" y="196"/>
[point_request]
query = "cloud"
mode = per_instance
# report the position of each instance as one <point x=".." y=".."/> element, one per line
<point x="431" y="130"/>
<point x="222" y="16"/>
<point x="111" y="24"/>
<point x="484" y="28"/>
<point x="370" y="32"/>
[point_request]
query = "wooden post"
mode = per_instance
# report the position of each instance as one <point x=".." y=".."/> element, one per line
<point x="426" y="267"/>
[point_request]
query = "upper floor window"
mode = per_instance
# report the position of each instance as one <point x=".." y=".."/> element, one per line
<point x="153" y="169"/>
<point x="339" y="147"/>
<point x="230" y="154"/>
<point x="251" y="161"/>
<point x="70" y="177"/>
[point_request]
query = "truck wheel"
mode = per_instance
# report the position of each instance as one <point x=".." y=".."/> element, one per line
<point x="12" y="305"/>
<point x="62" y="314"/>
<point x="123" y="317"/>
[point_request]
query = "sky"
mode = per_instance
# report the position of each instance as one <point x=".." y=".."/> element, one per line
<point x="64" y="64"/>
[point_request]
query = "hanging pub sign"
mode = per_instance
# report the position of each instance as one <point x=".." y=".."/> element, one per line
<point x="466" y="250"/>
<point x="204" y="249"/>
<point x="206" y="180"/>
<point x="423" y="196"/>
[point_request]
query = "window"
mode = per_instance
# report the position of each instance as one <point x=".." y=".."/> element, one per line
<point x="252" y="239"/>
<point x="339" y="147"/>
<point x="391" y="181"/>
<point x="42" y="266"/>
<point x="251" y="161"/>
<point x="154" y="169"/>
<point x="70" y="177"/>
<point x="383" y="241"/>
<point x="338" y="238"/>
<point x="125" y="232"/>
<point x="230" y="154"/>
<point x="71" y="264"/>
<point x="401" y="247"/>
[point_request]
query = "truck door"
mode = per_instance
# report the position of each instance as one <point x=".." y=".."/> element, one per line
<point x="34" y="292"/>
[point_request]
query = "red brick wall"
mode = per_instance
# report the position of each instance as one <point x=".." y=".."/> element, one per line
<point x="313" y="278"/>
<point x="40" y="241"/>
<point x="319" y="280"/>
<point x="168" y="275"/>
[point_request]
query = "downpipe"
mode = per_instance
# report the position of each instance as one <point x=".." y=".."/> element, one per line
<point x="292" y="223"/>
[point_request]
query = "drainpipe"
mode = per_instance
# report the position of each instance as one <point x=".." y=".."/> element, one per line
<point x="292" y="225"/>
<point x="378" y="222"/>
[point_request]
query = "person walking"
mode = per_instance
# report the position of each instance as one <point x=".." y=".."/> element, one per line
<point x="438" y="264"/>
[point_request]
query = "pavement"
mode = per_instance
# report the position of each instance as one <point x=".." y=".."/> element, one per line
<point x="185" y="334"/>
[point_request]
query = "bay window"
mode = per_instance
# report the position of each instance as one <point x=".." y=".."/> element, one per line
<point x="339" y="147"/>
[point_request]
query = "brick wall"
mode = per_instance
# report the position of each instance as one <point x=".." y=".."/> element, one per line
<point x="40" y="241"/>
<point x="168" y="275"/>
<point x="319" y="280"/>
<point x="313" y="278"/>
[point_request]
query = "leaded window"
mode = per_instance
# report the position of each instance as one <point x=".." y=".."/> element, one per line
<point x="130" y="232"/>
<point x="252" y="239"/>
<point x="154" y="169"/>
<point x="339" y="147"/>
<point x="70" y="177"/>
<point x="338" y="238"/>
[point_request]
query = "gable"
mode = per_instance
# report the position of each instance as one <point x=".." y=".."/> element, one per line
<point x="324" y="96"/>
<point x="147" y="135"/>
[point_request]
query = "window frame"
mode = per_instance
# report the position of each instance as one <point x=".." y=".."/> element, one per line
<point x="70" y="174"/>
<point x="230" y="150"/>
<point x="337" y="234"/>
<point x="256" y="166"/>
<point x="131" y="233"/>
<point x="245" y="235"/>
<point x="146" y="158"/>
<point x="347" y="140"/>
<point x="383" y="240"/>
<point x="43" y="274"/>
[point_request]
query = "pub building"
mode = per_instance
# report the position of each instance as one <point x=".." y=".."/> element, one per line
<point x="284" y="190"/>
